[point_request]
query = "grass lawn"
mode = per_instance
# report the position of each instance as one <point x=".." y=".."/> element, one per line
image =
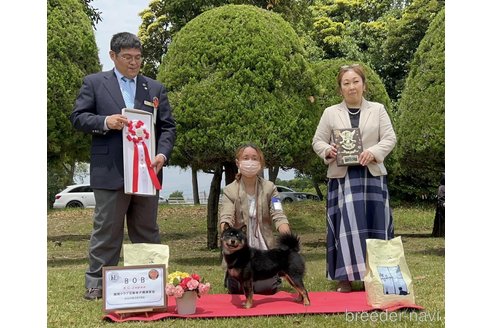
<point x="183" y="228"/>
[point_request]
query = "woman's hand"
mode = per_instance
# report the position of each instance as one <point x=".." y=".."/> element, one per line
<point x="366" y="157"/>
<point x="284" y="228"/>
<point x="332" y="152"/>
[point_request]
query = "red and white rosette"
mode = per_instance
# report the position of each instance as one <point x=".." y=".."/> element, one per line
<point x="138" y="133"/>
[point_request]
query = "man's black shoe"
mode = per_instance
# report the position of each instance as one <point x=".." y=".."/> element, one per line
<point x="93" y="293"/>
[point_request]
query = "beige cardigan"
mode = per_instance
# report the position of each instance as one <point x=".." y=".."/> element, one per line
<point x="234" y="209"/>
<point x="376" y="130"/>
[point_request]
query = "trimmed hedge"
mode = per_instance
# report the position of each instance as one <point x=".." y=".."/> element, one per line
<point x="72" y="53"/>
<point x="420" y="120"/>
<point x="238" y="74"/>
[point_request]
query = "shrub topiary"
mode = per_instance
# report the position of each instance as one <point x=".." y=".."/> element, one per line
<point x="420" y="120"/>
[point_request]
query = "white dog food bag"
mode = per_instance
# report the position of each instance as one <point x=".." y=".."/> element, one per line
<point x="143" y="254"/>
<point x="387" y="280"/>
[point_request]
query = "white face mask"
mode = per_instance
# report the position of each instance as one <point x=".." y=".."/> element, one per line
<point x="249" y="168"/>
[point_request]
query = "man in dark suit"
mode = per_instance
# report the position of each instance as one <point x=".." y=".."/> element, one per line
<point x="98" y="111"/>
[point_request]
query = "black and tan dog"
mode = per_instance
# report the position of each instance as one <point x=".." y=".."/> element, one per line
<point x="247" y="264"/>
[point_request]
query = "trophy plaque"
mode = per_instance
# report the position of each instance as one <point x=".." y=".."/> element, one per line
<point x="349" y="146"/>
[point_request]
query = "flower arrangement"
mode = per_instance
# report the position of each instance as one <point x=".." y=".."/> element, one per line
<point x="180" y="282"/>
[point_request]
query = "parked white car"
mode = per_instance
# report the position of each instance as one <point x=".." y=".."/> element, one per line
<point x="80" y="195"/>
<point x="287" y="195"/>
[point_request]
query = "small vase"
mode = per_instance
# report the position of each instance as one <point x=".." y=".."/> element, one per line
<point x="187" y="303"/>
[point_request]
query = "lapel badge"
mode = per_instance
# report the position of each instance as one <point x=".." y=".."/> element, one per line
<point x="148" y="103"/>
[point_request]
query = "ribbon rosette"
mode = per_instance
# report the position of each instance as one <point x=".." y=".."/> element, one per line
<point x="137" y="133"/>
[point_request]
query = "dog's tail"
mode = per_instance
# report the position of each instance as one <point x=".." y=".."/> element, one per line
<point x="289" y="241"/>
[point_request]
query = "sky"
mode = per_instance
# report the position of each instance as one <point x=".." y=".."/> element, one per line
<point x="126" y="19"/>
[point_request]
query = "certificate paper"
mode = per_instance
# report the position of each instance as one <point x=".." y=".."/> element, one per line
<point x="138" y="153"/>
<point x="134" y="288"/>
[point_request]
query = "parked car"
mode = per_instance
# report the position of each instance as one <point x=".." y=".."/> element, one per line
<point x="288" y="195"/>
<point x="79" y="195"/>
<point x="310" y="196"/>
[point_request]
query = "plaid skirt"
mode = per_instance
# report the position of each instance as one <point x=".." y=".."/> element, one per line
<point x="357" y="209"/>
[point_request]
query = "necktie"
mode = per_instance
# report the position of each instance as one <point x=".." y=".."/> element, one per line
<point x="127" y="92"/>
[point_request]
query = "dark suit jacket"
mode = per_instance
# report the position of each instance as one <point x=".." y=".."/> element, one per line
<point x="99" y="97"/>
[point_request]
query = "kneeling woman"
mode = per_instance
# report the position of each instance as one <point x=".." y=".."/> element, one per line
<point x="253" y="201"/>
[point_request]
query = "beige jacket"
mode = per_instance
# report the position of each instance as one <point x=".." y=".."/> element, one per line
<point x="376" y="130"/>
<point x="234" y="209"/>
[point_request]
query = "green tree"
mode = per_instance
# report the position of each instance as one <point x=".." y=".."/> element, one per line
<point x="326" y="72"/>
<point x="72" y="53"/>
<point x="403" y="37"/>
<point x="162" y="19"/>
<point x="176" y="195"/>
<point x="382" y="34"/>
<point x="93" y="13"/>
<point x="300" y="183"/>
<point x="352" y="28"/>
<point x="420" y="119"/>
<point x="237" y="74"/>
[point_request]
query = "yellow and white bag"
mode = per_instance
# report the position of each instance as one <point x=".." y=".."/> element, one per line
<point x="143" y="254"/>
<point x="387" y="281"/>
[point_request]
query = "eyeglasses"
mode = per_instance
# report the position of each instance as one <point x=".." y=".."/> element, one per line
<point x="349" y="66"/>
<point x="129" y="58"/>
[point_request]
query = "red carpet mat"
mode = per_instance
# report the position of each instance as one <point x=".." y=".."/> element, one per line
<point x="282" y="303"/>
